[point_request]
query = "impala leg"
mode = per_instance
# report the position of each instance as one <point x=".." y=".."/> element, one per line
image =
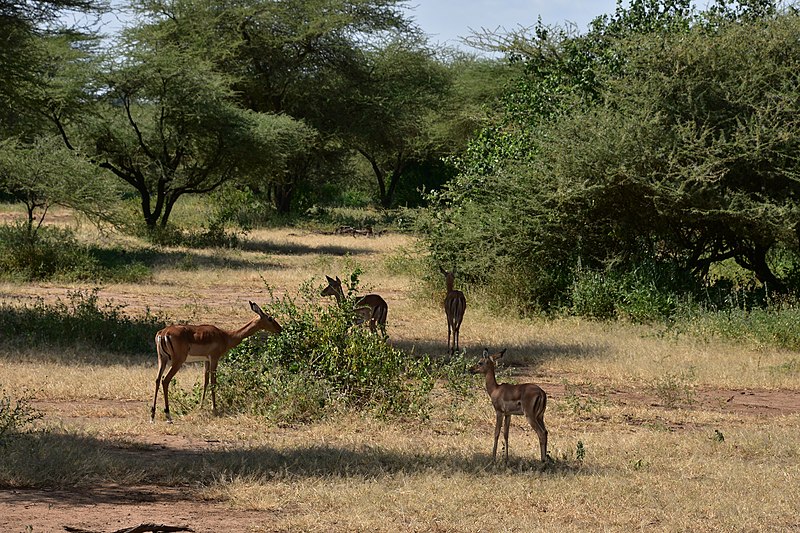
<point x="449" y="329"/>
<point x="506" y="427"/>
<point x="456" y="330"/>
<point x="541" y="432"/>
<point x="213" y="372"/>
<point x="205" y="383"/>
<point x="162" y="365"/>
<point x="497" y="424"/>
<point x="165" y="383"/>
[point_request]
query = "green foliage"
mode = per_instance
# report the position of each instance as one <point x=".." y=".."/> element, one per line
<point x="775" y="326"/>
<point x="644" y="150"/>
<point x="54" y="253"/>
<point x="319" y="362"/>
<point x="80" y="321"/>
<point x="16" y="415"/>
<point x="43" y="172"/>
<point x="580" y="451"/>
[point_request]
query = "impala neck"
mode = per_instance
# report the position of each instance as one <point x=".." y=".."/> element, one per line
<point x="449" y="281"/>
<point x="491" y="381"/>
<point x="245" y="331"/>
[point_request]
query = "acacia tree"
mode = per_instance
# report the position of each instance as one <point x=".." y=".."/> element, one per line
<point x="43" y="172"/>
<point x="300" y="58"/>
<point x="164" y="119"/>
<point x="390" y="116"/>
<point x="27" y="29"/>
<point x="667" y="137"/>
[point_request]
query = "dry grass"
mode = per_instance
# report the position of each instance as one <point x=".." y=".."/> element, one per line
<point x="643" y="466"/>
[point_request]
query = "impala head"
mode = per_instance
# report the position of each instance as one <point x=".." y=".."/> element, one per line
<point x="266" y="322"/>
<point x="334" y="287"/>
<point x="486" y="362"/>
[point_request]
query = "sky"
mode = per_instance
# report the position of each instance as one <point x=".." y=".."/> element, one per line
<point x="445" y="21"/>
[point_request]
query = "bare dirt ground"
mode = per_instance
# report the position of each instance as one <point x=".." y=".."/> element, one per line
<point x="114" y="508"/>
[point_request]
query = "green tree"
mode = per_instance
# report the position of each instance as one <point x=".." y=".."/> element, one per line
<point x="26" y="28"/>
<point x="292" y="60"/>
<point x="45" y="173"/>
<point x="389" y="115"/>
<point x="671" y="142"/>
<point x="163" y="118"/>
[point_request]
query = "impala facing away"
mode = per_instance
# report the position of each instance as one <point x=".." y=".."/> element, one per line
<point x="523" y="399"/>
<point x="370" y="308"/>
<point x="180" y="344"/>
<point x="454" y="306"/>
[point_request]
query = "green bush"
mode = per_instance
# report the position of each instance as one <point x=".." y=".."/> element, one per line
<point x="82" y="321"/>
<point x="15" y="416"/>
<point x="594" y="295"/>
<point x="44" y="254"/>
<point x="55" y="253"/>
<point x="319" y="362"/>
<point x="777" y="326"/>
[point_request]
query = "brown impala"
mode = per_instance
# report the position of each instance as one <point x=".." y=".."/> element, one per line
<point x="507" y="399"/>
<point x="370" y="308"/>
<point x="454" y="306"/>
<point x="180" y="344"/>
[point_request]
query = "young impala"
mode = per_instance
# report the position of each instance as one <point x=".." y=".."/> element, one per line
<point x="454" y="306"/>
<point x="507" y="399"/>
<point x="370" y="308"/>
<point x="181" y="344"/>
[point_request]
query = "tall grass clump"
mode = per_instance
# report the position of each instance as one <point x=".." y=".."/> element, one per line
<point x="81" y="320"/>
<point x="775" y="326"/>
<point x="319" y="363"/>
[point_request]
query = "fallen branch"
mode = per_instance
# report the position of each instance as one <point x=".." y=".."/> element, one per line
<point x="141" y="528"/>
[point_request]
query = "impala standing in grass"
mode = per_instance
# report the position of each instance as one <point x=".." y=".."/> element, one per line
<point x="454" y="306"/>
<point x="180" y="344"/>
<point x="370" y="308"/>
<point x="524" y="399"/>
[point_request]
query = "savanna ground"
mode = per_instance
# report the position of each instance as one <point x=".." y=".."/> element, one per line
<point x="649" y="429"/>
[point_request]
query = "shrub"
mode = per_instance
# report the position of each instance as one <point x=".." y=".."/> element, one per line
<point x="594" y="295"/>
<point x="81" y="320"/>
<point x="321" y="361"/>
<point x="44" y="254"/>
<point x="15" y="415"/>
<point x="55" y="253"/>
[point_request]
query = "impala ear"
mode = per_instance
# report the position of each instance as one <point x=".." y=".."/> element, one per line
<point x="330" y="279"/>
<point x="256" y="309"/>
<point x="338" y="280"/>
<point x="486" y="352"/>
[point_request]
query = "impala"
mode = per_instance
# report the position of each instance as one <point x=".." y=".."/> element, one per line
<point x="524" y="399"/>
<point x="370" y="308"/>
<point x="181" y="344"/>
<point x="454" y="306"/>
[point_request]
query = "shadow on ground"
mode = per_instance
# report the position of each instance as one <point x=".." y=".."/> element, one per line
<point x="75" y="465"/>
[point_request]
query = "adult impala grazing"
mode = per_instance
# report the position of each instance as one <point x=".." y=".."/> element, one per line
<point x="454" y="306"/>
<point x="523" y="399"/>
<point x="370" y="308"/>
<point x="180" y="344"/>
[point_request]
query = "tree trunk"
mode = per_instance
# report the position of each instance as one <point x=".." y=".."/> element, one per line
<point x="755" y="260"/>
<point x="282" y="194"/>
